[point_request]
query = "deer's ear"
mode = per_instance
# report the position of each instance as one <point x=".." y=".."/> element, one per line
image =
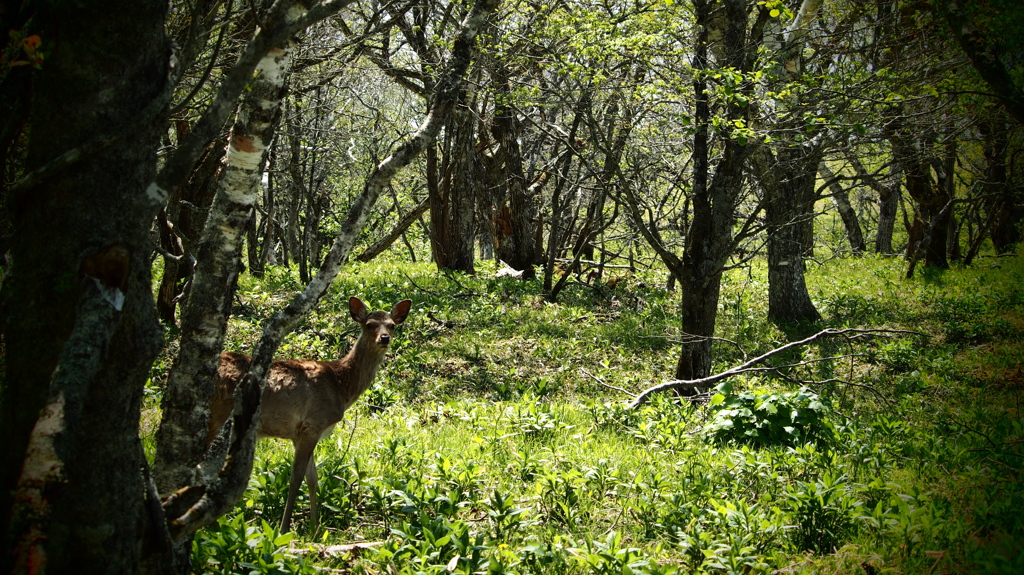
<point x="400" y="311"/>
<point x="357" y="308"/>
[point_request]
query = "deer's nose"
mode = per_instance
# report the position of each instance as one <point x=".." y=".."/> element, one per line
<point x="384" y="339"/>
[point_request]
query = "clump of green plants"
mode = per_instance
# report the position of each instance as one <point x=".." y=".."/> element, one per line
<point x="233" y="546"/>
<point x="764" y="419"/>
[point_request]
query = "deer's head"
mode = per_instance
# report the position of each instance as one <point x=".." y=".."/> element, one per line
<point x="378" y="326"/>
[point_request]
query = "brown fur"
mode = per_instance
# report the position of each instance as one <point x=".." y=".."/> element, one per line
<point x="304" y="399"/>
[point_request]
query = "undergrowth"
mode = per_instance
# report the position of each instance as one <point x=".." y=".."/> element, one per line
<point x="496" y="438"/>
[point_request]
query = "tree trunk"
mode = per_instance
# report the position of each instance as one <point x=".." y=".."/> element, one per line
<point x="453" y="208"/>
<point x="789" y="181"/>
<point x="842" y="202"/>
<point x="888" y="208"/>
<point x="709" y="239"/>
<point x="699" y="314"/>
<point x="79" y="322"/>
<point x="914" y="151"/>
<point x="1002" y="207"/>
<point x="267" y="249"/>
<point x="789" y="207"/>
<point x="515" y="222"/>
<point x="888" y="200"/>
<point x="190" y="384"/>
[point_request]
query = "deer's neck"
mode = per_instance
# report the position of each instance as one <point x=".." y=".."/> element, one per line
<point x="361" y="364"/>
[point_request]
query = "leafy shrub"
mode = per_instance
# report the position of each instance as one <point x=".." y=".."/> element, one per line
<point x="822" y="512"/>
<point x="901" y="355"/>
<point x="853" y="306"/>
<point x="764" y="419"/>
<point x="537" y="420"/>
<point x="959" y="319"/>
<point x="231" y="546"/>
<point x="434" y="545"/>
<point x="378" y="398"/>
<point x="339" y="495"/>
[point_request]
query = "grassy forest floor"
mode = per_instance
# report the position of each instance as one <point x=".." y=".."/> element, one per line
<point x="496" y="439"/>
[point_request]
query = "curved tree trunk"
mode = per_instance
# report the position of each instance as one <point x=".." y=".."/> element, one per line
<point x="841" y="199"/>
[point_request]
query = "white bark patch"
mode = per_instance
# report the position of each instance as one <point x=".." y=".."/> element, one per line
<point x="274" y="66"/>
<point x="239" y="186"/>
<point x="42" y="462"/>
<point x="112" y="295"/>
<point x="207" y="334"/>
<point x="270" y="104"/>
<point x="245" y="152"/>
<point x="230" y="235"/>
<point x="156" y="193"/>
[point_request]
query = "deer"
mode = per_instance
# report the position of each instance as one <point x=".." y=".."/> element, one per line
<point x="304" y="399"/>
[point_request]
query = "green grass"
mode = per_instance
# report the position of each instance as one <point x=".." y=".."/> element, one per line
<point x="494" y="440"/>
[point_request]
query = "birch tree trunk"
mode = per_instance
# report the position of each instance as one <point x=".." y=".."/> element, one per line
<point x="191" y="380"/>
<point x="79" y="322"/>
<point x="186" y="400"/>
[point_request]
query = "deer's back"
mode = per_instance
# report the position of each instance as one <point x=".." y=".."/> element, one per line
<point x="302" y="397"/>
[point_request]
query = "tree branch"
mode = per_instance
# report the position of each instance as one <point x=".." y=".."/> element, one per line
<point x="748" y="366"/>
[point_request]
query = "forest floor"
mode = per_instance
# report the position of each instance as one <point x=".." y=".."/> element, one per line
<point x="498" y="439"/>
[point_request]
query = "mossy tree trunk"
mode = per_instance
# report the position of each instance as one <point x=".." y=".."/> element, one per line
<point x="79" y="322"/>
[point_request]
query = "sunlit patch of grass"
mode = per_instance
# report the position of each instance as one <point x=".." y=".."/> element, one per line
<point x="495" y="425"/>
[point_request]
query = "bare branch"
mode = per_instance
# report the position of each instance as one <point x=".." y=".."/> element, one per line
<point x="749" y="366"/>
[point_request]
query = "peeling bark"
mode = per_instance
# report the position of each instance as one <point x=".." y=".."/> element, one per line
<point x="191" y="380"/>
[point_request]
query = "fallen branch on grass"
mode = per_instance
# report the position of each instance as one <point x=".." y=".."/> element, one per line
<point x="751" y="365"/>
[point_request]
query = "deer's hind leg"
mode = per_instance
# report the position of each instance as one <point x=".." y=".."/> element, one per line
<point x="314" y="511"/>
<point x="304" y="446"/>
